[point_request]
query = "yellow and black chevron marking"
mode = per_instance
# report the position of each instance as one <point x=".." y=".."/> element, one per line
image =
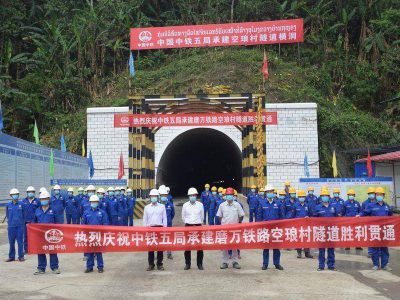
<point x="139" y="209"/>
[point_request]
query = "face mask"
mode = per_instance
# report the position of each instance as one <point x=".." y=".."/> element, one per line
<point x="192" y="199"/>
<point x="310" y="192"/>
<point x="325" y="199"/>
<point x="261" y="193"/>
<point x="15" y="197"/>
<point x="220" y="194"/>
<point x="116" y="193"/>
<point x="57" y="192"/>
<point x="164" y="199"/>
<point x="351" y="197"/>
<point x="100" y="196"/>
<point x="44" y="202"/>
<point x="153" y="199"/>
<point x="253" y="190"/>
<point x="302" y="199"/>
<point x="207" y="189"/>
<point x="122" y="193"/>
<point x="229" y="198"/>
<point x="379" y="198"/>
<point x="31" y="195"/>
<point x="336" y="195"/>
<point x="270" y="195"/>
<point x="129" y="194"/>
<point x="281" y="197"/>
<point x="214" y="193"/>
<point x="292" y="195"/>
<point x="69" y="193"/>
<point x="110" y="194"/>
<point x="80" y="193"/>
<point x="371" y="196"/>
<point x="94" y="205"/>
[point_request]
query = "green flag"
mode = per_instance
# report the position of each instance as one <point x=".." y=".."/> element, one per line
<point x="36" y="134"/>
<point x="51" y="167"/>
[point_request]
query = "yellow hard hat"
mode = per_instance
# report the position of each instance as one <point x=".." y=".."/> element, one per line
<point x="253" y="186"/>
<point x="292" y="190"/>
<point x="301" y="193"/>
<point x="261" y="189"/>
<point x="379" y="190"/>
<point x="235" y="192"/>
<point x="324" y="187"/>
<point x="275" y="191"/>
<point x="223" y="191"/>
<point x="336" y="190"/>
<point x="310" y="188"/>
<point x="351" y="192"/>
<point x="287" y="183"/>
<point x="282" y="193"/>
<point x="371" y="190"/>
<point x="214" y="189"/>
<point x="324" y="192"/>
<point x="220" y="189"/>
<point x="207" y="185"/>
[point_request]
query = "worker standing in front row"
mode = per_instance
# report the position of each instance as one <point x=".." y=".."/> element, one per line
<point x="30" y="204"/>
<point x="206" y="201"/>
<point x="95" y="216"/>
<point x="351" y="208"/>
<point x="302" y="210"/>
<point x="46" y="215"/>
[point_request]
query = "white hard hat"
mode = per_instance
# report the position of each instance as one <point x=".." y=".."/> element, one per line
<point x="101" y="190"/>
<point x="129" y="190"/>
<point x="192" y="191"/>
<point x="56" y="187"/>
<point x="91" y="188"/>
<point x="14" y="191"/>
<point x="168" y="189"/>
<point x="70" y="189"/>
<point x="30" y="189"/>
<point x="44" y="195"/>
<point x="162" y="186"/>
<point x="42" y="189"/>
<point x="269" y="187"/>
<point x="80" y="189"/>
<point x="154" y="192"/>
<point x="110" y="189"/>
<point x="123" y="188"/>
<point x="94" y="198"/>
<point x="117" y="188"/>
<point x="162" y="190"/>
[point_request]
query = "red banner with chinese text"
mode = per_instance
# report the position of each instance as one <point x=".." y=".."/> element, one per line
<point x="214" y="35"/>
<point x="215" y="119"/>
<point x="291" y="233"/>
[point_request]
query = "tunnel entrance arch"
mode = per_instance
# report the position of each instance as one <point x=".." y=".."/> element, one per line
<point x="197" y="156"/>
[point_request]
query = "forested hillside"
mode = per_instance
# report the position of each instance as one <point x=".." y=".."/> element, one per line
<point x="58" y="57"/>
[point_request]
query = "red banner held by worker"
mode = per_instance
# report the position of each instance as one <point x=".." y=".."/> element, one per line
<point x="290" y="233"/>
<point x="214" y="119"/>
<point x="215" y="35"/>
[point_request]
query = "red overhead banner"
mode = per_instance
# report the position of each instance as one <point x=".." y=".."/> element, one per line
<point x="213" y="35"/>
<point x="291" y="233"/>
<point x="217" y="119"/>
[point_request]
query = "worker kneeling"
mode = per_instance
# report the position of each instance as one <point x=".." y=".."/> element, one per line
<point x="95" y="216"/>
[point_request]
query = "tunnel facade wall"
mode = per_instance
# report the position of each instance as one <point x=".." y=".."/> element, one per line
<point x="287" y="143"/>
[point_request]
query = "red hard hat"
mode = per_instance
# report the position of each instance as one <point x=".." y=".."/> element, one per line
<point x="230" y="191"/>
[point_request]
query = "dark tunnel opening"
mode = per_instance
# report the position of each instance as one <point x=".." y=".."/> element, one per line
<point x="200" y="156"/>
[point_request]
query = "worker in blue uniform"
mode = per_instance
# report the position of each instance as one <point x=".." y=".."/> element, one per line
<point x="351" y="208"/>
<point x="112" y="207"/>
<point x="286" y="189"/>
<point x="125" y="214"/>
<point x="337" y="202"/>
<point x="370" y="199"/>
<point x="121" y="203"/>
<point x="270" y="210"/>
<point x="379" y="255"/>
<point x="326" y="209"/>
<point x="71" y="207"/>
<point x="212" y="205"/>
<point x="58" y="204"/>
<point x="95" y="216"/>
<point x="131" y="201"/>
<point x="45" y="215"/>
<point x="170" y="210"/>
<point x="205" y="195"/>
<point x="103" y="201"/>
<point x="282" y="200"/>
<point x="290" y="203"/>
<point x="302" y="210"/>
<point x="79" y="196"/>
<point x="170" y="198"/>
<point x="252" y="201"/>
<point x="30" y="204"/>
<point x="16" y="225"/>
<point x="311" y="199"/>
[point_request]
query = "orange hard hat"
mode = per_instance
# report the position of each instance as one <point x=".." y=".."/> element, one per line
<point x="230" y="191"/>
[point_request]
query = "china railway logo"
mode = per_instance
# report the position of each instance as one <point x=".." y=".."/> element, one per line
<point x="54" y="236"/>
<point x="145" y="36"/>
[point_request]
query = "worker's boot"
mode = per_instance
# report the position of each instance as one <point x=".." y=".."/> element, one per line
<point x="187" y="267"/>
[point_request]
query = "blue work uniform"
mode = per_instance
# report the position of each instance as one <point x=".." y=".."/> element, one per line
<point x="374" y="209"/>
<point x="85" y="205"/>
<point x="213" y="208"/>
<point x="170" y="210"/>
<point x="326" y="211"/>
<point x="205" y="199"/>
<point x="71" y="210"/>
<point x="270" y="211"/>
<point x="217" y="204"/>
<point x="366" y="203"/>
<point x="351" y="208"/>
<point x="131" y="201"/>
<point x="95" y="216"/>
<point x="57" y="204"/>
<point x="312" y="202"/>
<point x="258" y="208"/>
<point x="46" y="217"/>
<point x="113" y="210"/>
<point x="16" y="224"/>
<point x="338" y="204"/>
<point x="103" y="203"/>
<point x="29" y="215"/>
<point x="289" y="208"/>
<point x="170" y="198"/>
<point x="252" y="201"/>
<point x="301" y="210"/>
<point x="122" y="210"/>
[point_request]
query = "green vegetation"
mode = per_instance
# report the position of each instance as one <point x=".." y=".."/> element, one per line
<point x="58" y="57"/>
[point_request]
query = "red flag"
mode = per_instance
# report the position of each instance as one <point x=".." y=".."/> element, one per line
<point x="265" y="66"/>
<point x="369" y="165"/>
<point x="121" y="171"/>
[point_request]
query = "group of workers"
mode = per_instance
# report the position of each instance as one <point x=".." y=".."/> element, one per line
<point x="215" y="205"/>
